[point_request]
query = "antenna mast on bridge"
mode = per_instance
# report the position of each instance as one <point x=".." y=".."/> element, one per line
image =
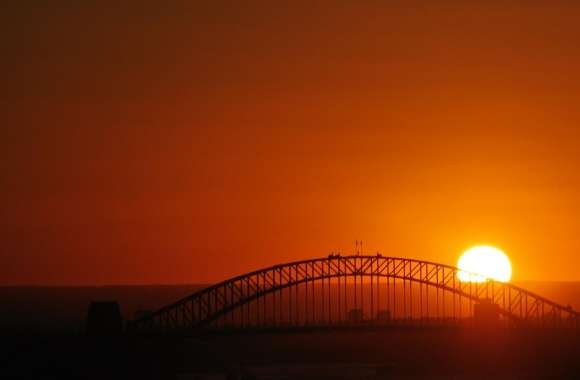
<point x="358" y="247"/>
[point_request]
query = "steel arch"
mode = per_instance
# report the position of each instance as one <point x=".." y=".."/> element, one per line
<point x="207" y="305"/>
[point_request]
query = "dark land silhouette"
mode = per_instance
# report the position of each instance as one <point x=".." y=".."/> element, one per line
<point x="32" y="309"/>
<point x="383" y="353"/>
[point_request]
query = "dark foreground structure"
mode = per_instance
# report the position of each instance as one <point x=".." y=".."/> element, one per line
<point x="357" y="353"/>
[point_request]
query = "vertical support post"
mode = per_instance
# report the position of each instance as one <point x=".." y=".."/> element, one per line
<point x="355" y="281"/>
<point x="297" y="318"/>
<point x="322" y="314"/>
<point x="388" y="287"/>
<point x="274" y="320"/>
<point x="521" y="304"/>
<point x="437" y="290"/>
<point x="454" y="296"/>
<point x="215" y="306"/>
<point x="427" y="292"/>
<point x="510" y="299"/>
<point x="503" y="295"/>
<point x="394" y="291"/>
<point x="338" y="276"/>
<point x="460" y="299"/>
<point x="470" y="297"/>
<point x="264" y="296"/>
<point x="404" y="290"/>
<point x="281" y="302"/>
<point x="421" y="291"/>
<point x="247" y="303"/>
<point x="314" y="314"/>
<point x="346" y="303"/>
<point x="410" y="291"/>
<point x="371" y="316"/>
<point x="306" y="316"/>
<point x="289" y="296"/>
<point x="378" y="287"/>
<point x="362" y="302"/>
<point x="329" y="293"/>
<point x="443" y="305"/>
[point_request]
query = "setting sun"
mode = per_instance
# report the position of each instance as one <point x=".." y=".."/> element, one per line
<point x="481" y="263"/>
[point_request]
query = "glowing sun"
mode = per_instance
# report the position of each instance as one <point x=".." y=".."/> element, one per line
<point x="481" y="263"/>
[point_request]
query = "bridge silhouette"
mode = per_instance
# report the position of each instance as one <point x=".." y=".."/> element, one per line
<point x="355" y="290"/>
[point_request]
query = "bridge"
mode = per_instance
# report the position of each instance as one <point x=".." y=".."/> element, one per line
<point x="356" y="290"/>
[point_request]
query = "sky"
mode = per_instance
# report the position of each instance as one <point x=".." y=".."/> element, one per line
<point x="188" y="142"/>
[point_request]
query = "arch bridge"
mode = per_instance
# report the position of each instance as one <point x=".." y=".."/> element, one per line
<point x="356" y="290"/>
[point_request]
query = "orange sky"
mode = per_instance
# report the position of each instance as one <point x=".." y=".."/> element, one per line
<point x="150" y="143"/>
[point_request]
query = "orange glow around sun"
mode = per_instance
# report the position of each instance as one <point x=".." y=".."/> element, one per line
<point x="478" y="264"/>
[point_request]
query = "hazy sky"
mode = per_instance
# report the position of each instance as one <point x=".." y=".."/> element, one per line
<point x="170" y="142"/>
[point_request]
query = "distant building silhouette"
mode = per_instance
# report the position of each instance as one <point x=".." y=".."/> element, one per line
<point x="142" y="314"/>
<point x="384" y="315"/>
<point x="355" y="315"/>
<point x="104" y="318"/>
<point x="486" y="313"/>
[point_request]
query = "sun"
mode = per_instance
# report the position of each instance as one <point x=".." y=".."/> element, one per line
<point x="478" y="264"/>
